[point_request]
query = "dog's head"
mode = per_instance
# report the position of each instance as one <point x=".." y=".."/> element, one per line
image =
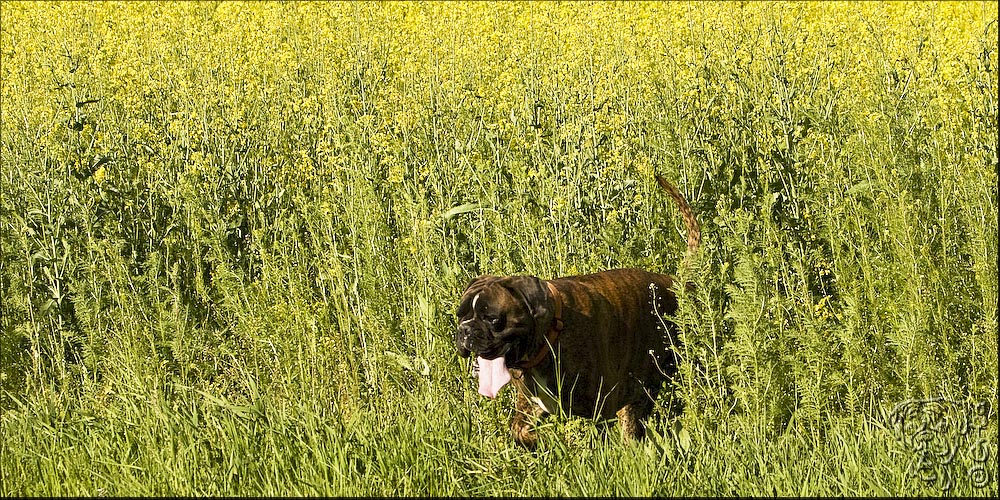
<point x="503" y="317"/>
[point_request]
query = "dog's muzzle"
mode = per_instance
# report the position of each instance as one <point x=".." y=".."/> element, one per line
<point x="462" y="340"/>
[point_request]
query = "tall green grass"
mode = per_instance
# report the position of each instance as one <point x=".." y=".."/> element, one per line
<point x="234" y="236"/>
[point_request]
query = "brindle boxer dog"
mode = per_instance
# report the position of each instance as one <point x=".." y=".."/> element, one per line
<point x="591" y="345"/>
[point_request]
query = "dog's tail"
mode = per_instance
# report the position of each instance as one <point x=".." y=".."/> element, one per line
<point x="693" y="229"/>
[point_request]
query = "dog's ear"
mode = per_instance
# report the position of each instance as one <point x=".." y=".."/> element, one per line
<point x="535" y="295"/>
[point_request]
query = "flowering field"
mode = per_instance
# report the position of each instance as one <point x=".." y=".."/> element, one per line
<point x="233" y="237"/>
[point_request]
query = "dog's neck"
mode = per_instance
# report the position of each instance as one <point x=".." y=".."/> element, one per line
<point x="552" y="334"/>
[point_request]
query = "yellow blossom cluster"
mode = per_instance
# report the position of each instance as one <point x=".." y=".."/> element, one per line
<point x="410" y="88"/>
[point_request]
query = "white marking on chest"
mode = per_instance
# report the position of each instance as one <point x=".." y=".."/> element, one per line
<point x="544" y="395"/>
<point x="548" y="403"/>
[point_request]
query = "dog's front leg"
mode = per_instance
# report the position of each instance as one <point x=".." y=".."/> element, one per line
<point x="526" y="414"/>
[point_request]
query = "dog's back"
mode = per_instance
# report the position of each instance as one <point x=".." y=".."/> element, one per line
<point x="615" y="339"/>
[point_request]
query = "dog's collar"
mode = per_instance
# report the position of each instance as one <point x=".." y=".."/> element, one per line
<point x="553" y="333"/>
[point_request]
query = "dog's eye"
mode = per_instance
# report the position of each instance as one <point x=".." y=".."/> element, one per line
<point x="497" y="323"/>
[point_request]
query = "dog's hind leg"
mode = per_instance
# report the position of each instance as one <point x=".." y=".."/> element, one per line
<point x="632" y="418"/>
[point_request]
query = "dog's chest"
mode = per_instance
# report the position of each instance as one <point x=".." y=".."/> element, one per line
<point x="543" y="392"/>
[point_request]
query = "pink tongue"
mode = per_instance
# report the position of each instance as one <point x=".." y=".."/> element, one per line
<point x="493" y="375"/>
